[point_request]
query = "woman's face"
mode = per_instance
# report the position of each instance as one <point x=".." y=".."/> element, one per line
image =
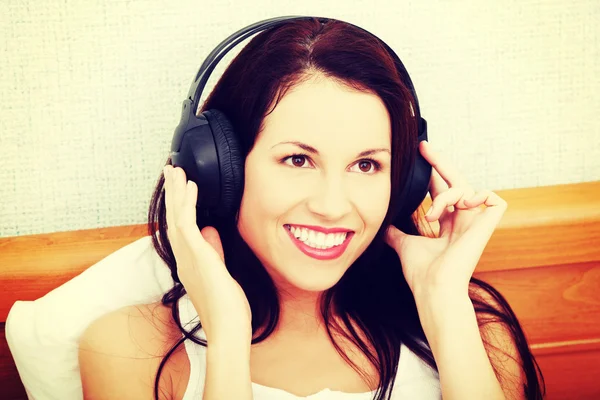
<point x="317" y="183"/>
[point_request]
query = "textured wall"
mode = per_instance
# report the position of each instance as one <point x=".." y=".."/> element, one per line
<point x="91" y="93"/>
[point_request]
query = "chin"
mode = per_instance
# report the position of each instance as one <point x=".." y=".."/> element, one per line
<point x="307" y="275"/>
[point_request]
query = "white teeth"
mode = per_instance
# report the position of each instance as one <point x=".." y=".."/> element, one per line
<point x="304" y="234"/>
<point x="312" y="236"/>
<point x="318" y="240"/>
<point x="330" y="240"/>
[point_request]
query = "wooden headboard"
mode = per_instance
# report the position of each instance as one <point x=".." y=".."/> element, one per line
<point x="544" y="257"/>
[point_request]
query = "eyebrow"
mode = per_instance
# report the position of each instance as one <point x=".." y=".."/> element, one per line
<point x="312" y="150"/>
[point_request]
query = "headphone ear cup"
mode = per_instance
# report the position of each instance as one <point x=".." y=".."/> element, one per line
<point x="420" y="182"/>
<point x="231" y="162"/>
<point x="414" y="191"/>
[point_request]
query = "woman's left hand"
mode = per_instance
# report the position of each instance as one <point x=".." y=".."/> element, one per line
<point x="447" y="262"/>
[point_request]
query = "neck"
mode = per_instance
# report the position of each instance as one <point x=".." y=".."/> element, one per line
<point x="300" y="310"/>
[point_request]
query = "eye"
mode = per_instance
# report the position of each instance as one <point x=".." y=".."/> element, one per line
<point x="296" y="160"/>
<point x="366" y="166"/>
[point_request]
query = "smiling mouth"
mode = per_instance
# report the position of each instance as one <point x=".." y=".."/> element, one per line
<point x="317" y="240"/>
<point x="319" y="245"/>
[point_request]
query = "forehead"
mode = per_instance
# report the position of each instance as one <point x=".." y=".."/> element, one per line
<point x="324" y="113"/>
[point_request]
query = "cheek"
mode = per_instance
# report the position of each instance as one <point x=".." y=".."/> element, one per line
<point x="372" y="204"/>
<point x="267" y="196"/>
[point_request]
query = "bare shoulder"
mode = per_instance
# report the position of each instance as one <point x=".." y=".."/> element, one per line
<point x="120" y="353"/>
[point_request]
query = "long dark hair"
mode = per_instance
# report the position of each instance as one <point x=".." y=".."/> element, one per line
<point x="373" y="295"/>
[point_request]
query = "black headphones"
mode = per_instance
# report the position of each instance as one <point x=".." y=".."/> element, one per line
<point x="208" y="150"/>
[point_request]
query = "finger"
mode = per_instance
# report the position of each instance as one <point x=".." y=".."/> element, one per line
<point x="478" y="199"/>
<point x="437" y="184"/>
<point x="178" y="185"/>
<point x="487" y="198"/>
<point x="186" y="218"/>
<point x="451" y="197"/>
<point x="211" y="235"/>
<point x="443" y="166"/>
<point x="167" y="171"/>
<point x="177" y="189"/>
<point x="183" y="208"/>
<point x="485" y="224"/>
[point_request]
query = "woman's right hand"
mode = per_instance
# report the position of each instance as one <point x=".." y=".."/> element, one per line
<point x="219" y="300"/>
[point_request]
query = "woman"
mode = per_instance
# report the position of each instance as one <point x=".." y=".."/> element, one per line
<point x="309" y="291"/>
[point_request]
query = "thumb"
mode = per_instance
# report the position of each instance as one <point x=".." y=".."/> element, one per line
<point x="394" y="237"/>
<point x="211" y="235"/>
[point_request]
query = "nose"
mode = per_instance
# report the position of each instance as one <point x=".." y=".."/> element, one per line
<point x="330" y="199"/>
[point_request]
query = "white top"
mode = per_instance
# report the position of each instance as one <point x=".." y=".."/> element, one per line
<point x="414" y="380"/>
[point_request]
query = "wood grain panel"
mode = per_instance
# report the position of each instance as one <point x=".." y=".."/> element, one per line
<point x="571" y="370"/>
<point x="62" y="252"/>
<point x="554" y="304"/>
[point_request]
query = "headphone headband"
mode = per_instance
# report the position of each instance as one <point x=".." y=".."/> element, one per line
<point x="232" y="40"/>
